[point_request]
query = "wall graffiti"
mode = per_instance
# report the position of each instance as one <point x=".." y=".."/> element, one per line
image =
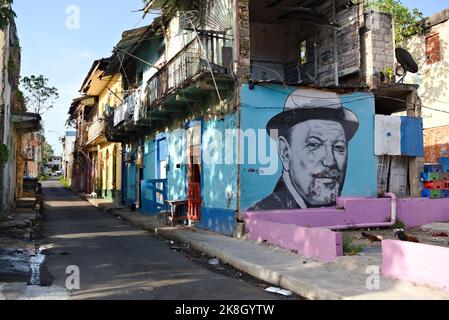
<point x="313" y="130"/>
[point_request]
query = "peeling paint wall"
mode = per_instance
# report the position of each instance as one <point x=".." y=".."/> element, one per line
<point x="7" y="132"/>
<point x="433" y="83"/>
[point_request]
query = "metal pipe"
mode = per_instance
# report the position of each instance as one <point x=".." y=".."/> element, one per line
<point x="393" y="215"/>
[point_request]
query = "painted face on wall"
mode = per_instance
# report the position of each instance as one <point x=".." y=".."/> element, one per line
<point x="314" y="156"/>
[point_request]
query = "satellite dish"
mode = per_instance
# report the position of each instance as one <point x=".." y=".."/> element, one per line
<point x="406" y="62"/>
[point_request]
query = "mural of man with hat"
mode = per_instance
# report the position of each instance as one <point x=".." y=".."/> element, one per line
<point x="313" y="133"/>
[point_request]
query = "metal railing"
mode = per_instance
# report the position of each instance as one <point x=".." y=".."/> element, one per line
<point x="192" y="60"/>
<point x="95" y="129"/>
<point x="132" y="108"/>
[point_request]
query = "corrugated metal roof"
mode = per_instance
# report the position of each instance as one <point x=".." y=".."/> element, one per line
<point x="100" y="64"/>
<point x="131" y="41"/>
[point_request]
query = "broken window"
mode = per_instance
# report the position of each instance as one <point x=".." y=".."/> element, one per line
<point x="304" y="41"/>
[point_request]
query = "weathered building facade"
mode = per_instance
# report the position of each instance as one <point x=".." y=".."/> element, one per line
<point x="97" y="162"/>
<point x="431" y="52"/>
<point x="15" y="122"/>
<point x="208" y="81"/>
<point x="68" y="148"/>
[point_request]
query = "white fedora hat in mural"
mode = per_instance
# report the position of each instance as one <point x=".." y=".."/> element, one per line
<point x="312" y="104"/>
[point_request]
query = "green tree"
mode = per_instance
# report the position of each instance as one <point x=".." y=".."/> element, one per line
<point x="47" y="152"/>
<point x="6" y="13"/>
<point x="406" y="22"/>
<point x="38" y="94"/>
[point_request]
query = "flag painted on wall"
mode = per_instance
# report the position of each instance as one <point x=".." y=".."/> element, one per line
<point x="399" y="136"/>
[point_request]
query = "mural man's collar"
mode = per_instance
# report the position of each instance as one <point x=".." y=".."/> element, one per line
<point x="292" y="190"/>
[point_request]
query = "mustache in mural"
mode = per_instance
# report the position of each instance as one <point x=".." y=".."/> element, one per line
<point x="333" y="173"/>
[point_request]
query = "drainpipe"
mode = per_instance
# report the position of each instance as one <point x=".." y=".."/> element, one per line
<point x="392" y="222"/>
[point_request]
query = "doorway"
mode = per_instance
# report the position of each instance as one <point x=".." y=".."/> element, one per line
<point x="194" y="171"/>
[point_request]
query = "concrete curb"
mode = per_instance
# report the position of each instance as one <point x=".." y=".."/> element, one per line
<point x="313" y="287"/>
<point x="260" y="272"/>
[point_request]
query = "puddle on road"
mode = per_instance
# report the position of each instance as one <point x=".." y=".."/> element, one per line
<point x="19" y="265"/>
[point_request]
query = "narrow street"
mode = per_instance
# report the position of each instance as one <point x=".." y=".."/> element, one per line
<point x="117" y="261"/>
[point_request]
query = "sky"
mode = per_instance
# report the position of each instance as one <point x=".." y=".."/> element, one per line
<point x="427" y="7"/>
<point x="55" y="45"/>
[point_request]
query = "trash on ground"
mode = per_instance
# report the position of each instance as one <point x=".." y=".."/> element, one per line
<point x="214" y="262"/>
<point x="440" y="234"/>
<point x="279" y="291"/>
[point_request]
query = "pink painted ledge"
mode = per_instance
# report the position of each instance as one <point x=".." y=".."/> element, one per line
<point x="417" y="263"/>
<point x="413" y="212"/>
<point x="320" y="244"/>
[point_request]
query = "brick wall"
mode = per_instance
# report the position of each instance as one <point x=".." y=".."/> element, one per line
<point x="436" y="143"/>
<point x="433" y="48"/>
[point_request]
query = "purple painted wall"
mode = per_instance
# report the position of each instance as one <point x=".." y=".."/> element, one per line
<point x="324" y="245"/>
<point x="350" y="211"/>
<point x="415" y="262"/>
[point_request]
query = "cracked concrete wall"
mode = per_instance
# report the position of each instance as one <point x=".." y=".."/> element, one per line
<point x="8" y="174"/>
<point x="378" y="46"/>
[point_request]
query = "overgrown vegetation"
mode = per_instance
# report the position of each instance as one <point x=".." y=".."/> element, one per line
<point x="47" y="152"/>
<point x="4" y="154"/>
<point x="398" y="225"/>
<point x="43" y="177"/>
<point x="406" y="22"/>
<point x="64" y="182"/>
<point x="349" y="248"/>
<point x="6" y="13"/>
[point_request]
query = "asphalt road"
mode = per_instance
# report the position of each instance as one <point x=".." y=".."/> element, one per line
<point x="118" y="261"/>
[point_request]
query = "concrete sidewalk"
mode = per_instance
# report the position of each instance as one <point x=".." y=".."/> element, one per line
<point x="345" y="278"/>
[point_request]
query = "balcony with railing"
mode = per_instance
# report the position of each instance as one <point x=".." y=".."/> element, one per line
<point x="129" y="116"/>
<point x="200" y="67"/>
<point x="96" y="130"/>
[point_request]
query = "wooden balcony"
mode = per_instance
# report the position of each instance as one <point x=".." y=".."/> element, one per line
<point x="95" y="132"/>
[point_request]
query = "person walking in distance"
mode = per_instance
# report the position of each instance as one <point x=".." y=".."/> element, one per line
<point x="39" y="194"/>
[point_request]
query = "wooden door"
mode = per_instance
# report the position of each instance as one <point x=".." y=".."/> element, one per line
<point x="194" y="173"/>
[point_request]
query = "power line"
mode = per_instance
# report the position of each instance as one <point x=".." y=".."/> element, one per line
<point x="424" y="97"/>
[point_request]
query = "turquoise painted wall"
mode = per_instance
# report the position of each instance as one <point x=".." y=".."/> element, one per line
<point x="176" y="175"/>
<point x="219" y="179"/>
<point x="150" y="154"/>
<point x="264" y="102"/>
<point x="131" y="190"/>
<point x="219" y="186"/>
<point x="149" y="53"/>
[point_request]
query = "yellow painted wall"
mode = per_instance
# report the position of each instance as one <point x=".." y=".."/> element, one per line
<point x="107" y="98"/>
<point x="106" y="154"/>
